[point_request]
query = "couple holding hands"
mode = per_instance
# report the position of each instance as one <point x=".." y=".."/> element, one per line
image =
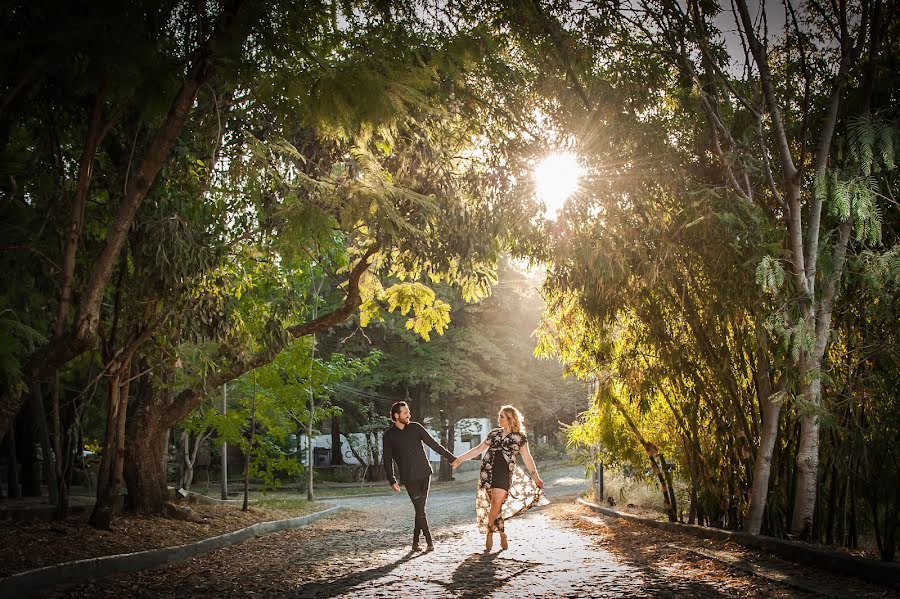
<point x="503" y="490"/>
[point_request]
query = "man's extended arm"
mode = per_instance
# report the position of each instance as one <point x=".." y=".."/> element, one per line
<point x="387" y="453"/>
<point x="432" y="443"/>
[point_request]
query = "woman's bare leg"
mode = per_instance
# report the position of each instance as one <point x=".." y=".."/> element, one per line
<point x="498" y="496"/>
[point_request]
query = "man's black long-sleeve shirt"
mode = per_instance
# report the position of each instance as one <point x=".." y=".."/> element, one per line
<point x="405" y="447"/>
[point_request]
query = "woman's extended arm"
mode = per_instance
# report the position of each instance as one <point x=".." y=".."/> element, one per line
<point x="529" y="463"/>
<point x="471" y="453"/>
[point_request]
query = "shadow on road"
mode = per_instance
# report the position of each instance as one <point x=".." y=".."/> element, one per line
<point x="481" y="574"/>
<point x="346" y="583"/>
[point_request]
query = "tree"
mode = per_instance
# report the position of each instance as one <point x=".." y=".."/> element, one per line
<point x="789" y="186"/>
<point x="217" y="178"/>
<point x="765" y="145"/>
<point x="188" y="72"/>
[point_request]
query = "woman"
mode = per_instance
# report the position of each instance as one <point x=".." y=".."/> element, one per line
<point x="504" y="490"/>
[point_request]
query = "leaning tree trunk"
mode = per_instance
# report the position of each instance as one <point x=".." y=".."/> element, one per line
<point x="159" y="411"/>
<point x="668" y="488"/>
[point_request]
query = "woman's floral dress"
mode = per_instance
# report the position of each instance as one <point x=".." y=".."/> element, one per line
<point x="523" y="492"/>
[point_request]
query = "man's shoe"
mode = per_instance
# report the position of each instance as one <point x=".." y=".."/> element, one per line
<point x="429" y="547"/>
<point x="416" y="547"/>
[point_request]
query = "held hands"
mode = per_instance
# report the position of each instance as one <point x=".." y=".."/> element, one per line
<point x="395" y="487"/>
<point x="455" y="463"/>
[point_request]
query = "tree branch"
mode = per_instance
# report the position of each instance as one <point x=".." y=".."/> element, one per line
<point x="849" y="54"/>
<point x="185" y="401"/>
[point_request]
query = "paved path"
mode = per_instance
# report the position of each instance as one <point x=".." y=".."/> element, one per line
<point x="562" y="550"/>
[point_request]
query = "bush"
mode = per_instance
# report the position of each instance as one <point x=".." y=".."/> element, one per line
<point x="546" y="451"/>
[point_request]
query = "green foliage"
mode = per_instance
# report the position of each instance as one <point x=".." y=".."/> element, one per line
<point x="871" y="143"/>
<point x="602" y="429"/>
<point x="277" y="396"/>
<point x="853" y="192"/>
<point x="882" y="270"/>
<point x="770" y="275"/>
<point x="16" y="339"/>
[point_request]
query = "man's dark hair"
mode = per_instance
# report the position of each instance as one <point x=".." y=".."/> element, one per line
<point x="395" y="409"/>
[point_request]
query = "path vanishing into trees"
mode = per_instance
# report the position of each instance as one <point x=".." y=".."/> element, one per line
<point x="563" y="550"/>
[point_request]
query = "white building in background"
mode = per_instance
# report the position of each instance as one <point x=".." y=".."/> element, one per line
<point x="470" y="432"/>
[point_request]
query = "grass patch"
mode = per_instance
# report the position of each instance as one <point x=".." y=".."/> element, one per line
<point x="296" y="506"/>
<point x="351" y="491"/>
<point x="643" y="495"/>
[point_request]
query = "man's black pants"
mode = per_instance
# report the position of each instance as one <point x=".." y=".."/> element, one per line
<point x="418" y="493"/>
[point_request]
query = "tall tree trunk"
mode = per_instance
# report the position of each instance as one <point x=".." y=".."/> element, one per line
<point x="146" y="454"/>
<point x="250" y="452"/>
<point x="109" y="482"/>
<point x="694" y="471"/>
<point x="807" y="462"/>
<point x="12" y="469"/>
<point x="762" y="467"/>
<point x="852" y="538"/>
<point x="26" y="439"/>
<point x="49" y="461"/>
<point x="145" y="469"/>
<point x="833" y="485"/>
<point x="445" y="471"/>
<point x="337" y="456"/>
<point x="189" y="452"/>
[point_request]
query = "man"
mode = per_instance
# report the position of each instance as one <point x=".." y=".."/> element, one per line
<point x="403" y="444"/>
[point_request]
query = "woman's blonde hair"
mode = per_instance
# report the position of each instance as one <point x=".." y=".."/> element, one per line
<point x="515" y="419"/>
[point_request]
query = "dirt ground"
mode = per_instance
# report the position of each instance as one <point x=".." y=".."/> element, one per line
<point x="29" y="545"/>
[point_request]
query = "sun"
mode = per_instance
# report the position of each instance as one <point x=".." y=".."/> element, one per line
<point x="556" y="178"/>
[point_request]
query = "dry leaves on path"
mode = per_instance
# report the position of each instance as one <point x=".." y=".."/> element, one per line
<point x="29" y="545"/>
<point x="725" y="565"/>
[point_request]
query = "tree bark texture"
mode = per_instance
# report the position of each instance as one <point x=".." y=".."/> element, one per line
<point x="762" y="466"/>
<point x="109" y="481"/>
<point x="145" y="460"/>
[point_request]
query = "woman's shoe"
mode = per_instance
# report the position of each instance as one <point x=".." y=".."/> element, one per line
<point x="504" y="544"/>
<point x="489" y="541"/>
